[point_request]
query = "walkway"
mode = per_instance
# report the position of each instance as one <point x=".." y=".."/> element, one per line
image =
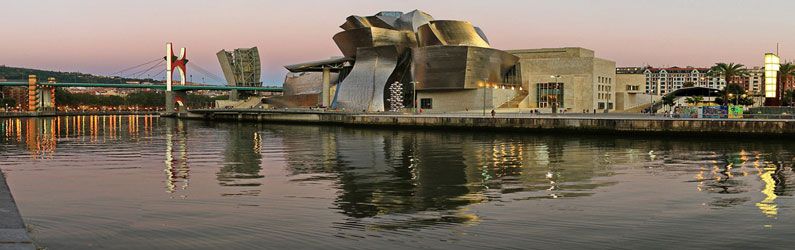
<point x="13" y="233"/>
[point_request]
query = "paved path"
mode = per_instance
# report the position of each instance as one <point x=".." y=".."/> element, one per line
<point x="13" y="234"/>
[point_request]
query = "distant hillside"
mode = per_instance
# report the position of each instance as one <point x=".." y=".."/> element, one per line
<point x="12" y="73"/>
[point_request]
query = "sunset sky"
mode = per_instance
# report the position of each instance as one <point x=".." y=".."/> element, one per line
<point x="102" y="37"/>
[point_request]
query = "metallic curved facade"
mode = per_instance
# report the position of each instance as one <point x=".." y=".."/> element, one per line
<point x="305" y="83"/>
<point x="460" y="33"/>
<point x="363" y="89"/>
<point x="459" y="67"/>
<point x="394" y="46"/>
<point x="350" y="40"/>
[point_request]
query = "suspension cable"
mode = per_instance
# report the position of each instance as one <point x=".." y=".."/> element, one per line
<point x="139" y="73"/>
<point x="134" y="67"/>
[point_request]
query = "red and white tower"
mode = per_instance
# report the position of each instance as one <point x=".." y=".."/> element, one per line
<point x="172" y="62"/>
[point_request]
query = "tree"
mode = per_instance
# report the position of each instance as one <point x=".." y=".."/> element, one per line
<point x="788" y="97"/>
<point x="668" y="100"/>
<point x="787" y="69"/>
<point x="694" y="99"/>
<point x="728" y="71"/>
<point x="7" y="102"/>
<point x="688" y="84"/>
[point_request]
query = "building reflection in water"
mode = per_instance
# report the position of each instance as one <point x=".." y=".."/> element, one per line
<point x="728" y="176"/>
<point x="242" y="158"/>
<point x="409" y="179"/>
<point x="177" y="170"/>
<point x="40" y="136"/>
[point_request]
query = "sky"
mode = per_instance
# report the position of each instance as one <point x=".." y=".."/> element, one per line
<point x="105" y="36"/>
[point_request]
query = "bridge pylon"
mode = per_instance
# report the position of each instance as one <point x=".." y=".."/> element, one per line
<point x="40" y="98"/>
<point x="175" y="99"/>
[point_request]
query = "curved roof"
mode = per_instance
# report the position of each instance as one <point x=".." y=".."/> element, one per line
<point x="695" y="91"/>
<point x="335" y="64"/>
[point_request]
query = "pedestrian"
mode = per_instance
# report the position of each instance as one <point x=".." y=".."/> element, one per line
<point x="493" y="113"/>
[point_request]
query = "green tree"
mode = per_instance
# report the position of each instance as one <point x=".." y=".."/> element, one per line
<point x="7" y="102"/>
<point x="788" y="97"/>
<point x="668" y="100"/>
<point x="688" y="84"/>
<point x="730" y="93"/>
<point x="787" y="69"/>
<point x="728" y="71"/>
<point x="694" y="99"/>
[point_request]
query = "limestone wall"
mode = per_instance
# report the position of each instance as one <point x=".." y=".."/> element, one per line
<point x="462" y="100"/>
<point x="718" y="127"/>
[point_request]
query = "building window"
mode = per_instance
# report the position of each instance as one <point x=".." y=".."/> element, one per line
<point x="601" y="105"/>
<point x="548" y="93"/>
<point x="426" y="103"/>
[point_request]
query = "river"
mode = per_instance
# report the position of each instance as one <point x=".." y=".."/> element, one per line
<point x="144" y="182"/>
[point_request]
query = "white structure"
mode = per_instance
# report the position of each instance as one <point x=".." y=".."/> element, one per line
<point x="175" y="62"/>
<point x="772" y="65"/>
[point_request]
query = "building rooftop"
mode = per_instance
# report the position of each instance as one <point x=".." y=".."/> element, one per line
<point x="676" y="69"/>
<point x="568" y="52"/>
<point x="630" y="70"/>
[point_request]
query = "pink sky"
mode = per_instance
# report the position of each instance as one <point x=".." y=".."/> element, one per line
<point x="102" y="37"/>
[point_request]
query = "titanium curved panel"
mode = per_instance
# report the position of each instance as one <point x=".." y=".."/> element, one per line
<point x="446" y="32"/>
<point x="363" y="89"/>
<point x="413" y="20"/>
<point x="305" y="83"/>
<point x="459" y="67"/>
<point x="384" y="22"/>
<point x="355" y="22"/>
<point x="350" y="40"/>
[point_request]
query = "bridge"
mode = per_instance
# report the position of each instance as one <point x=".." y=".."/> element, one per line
<point x="42" y="94"/>
<point x="144" y="86"/>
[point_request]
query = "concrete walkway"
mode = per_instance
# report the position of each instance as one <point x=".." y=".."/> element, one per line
<point x="13" y="234"/>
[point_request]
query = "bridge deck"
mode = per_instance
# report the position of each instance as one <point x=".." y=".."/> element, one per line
<point x="143" y="86"/>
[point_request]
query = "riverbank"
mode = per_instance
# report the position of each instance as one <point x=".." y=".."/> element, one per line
<point x="75" y="113"/>
<point x="13" y="233"/>
<point x="603" y="124"/>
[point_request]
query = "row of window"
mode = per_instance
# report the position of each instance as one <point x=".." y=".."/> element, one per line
<point x="607" y="80"/>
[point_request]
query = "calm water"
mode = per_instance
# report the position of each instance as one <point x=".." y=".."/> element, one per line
<point x="136" y="182"/>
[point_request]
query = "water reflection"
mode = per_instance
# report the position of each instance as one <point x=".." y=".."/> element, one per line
<point x="411" y="179"/>
<point x="423" y="178"/>
<point x="177" y="170"/>
<point x="242" y="158"/>
<point x="41" y="136"/>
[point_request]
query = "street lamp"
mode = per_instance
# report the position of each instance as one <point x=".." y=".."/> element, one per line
<point x="414" y="95"/>
<point x="485" y="87"/>
<point x="555" y="104"/>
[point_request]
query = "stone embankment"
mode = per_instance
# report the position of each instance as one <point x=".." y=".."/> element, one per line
<point x="13" y="233"/>
<point x="613" y="124"/>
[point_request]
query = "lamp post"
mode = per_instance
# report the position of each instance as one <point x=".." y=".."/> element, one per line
<point x="555" y="104"/>
<point x="414" y="95"/>
<point x="485" y="87"/>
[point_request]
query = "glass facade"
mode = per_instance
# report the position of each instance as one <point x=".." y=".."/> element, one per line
<point x="548" y="93"/>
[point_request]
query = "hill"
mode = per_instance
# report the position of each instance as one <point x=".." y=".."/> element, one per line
<point x="14" y="74"/>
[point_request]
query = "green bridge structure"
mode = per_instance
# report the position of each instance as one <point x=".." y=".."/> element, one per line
<point x="41" y="95"/>
<point x="144" y="86"/>
<point x="37" y="97"/>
